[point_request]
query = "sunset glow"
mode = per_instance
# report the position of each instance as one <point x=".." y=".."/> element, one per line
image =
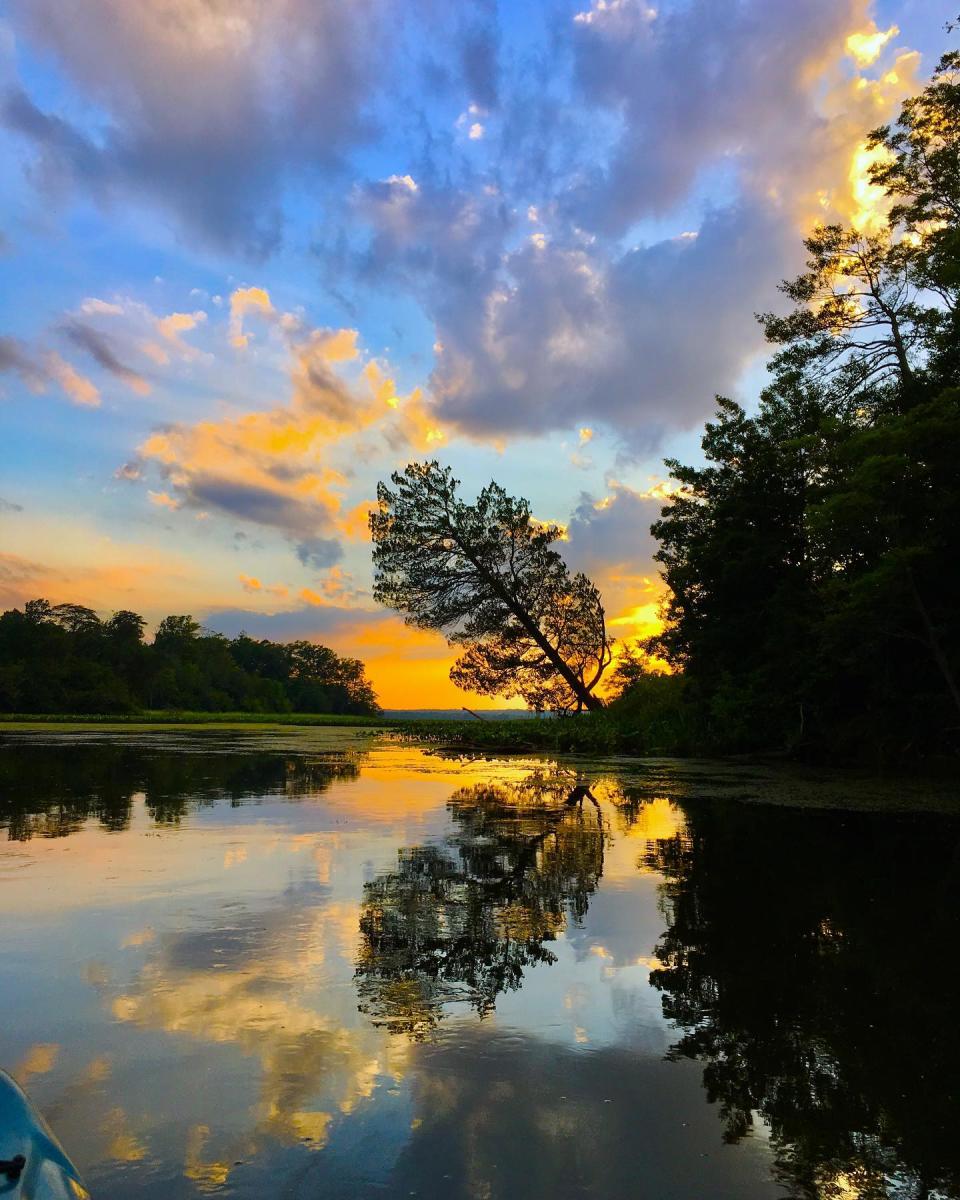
<point x="249" y="273"/>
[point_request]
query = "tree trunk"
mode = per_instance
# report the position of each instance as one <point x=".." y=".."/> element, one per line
<point x="586" y="697"/>
<point x="933" y="642"/>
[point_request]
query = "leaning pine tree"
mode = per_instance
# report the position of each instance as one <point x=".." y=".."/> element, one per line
<point x="485" y="574"/>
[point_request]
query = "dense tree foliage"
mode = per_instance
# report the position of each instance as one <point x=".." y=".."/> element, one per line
<point x="486" y="574"/>
<point x="64" y="658"/>
<point x="813" y="561"/>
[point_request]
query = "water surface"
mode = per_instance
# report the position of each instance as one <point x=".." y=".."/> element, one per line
<point x="311" y="963"/>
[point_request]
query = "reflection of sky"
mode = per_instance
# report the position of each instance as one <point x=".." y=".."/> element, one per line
<point x="181" y="1003"/>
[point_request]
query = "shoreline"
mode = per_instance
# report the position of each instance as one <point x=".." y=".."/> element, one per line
<point x="583" y="736"/>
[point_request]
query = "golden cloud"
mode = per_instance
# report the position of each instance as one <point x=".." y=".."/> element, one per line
<point x="250" y="583"/>
<point x="839" y="157"/>
<point x="866" y="46"/>
<point x="274" y="466"/>
<point x="163" y="500"/>
<point x="243" y="301"/>
<point x="337" y="589"/>
<point x="77" y="387"/>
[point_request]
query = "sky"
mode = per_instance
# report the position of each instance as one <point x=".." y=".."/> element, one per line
<point x="258" y="254"/>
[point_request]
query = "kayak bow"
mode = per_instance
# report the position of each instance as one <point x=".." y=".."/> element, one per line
<point x="33" y="1164"/>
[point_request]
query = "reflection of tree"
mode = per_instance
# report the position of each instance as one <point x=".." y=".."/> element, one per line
<point x="808" y="960"/>
<point x="462" y="921"/>
<point x="54" y="790"/>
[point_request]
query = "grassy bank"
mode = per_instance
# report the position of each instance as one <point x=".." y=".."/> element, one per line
<point x="469" y="734"/>
<point x="651" y="720"/>
<point x="190" y="718"/>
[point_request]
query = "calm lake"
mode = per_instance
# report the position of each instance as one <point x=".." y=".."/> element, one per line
<point x="318" y="964"/>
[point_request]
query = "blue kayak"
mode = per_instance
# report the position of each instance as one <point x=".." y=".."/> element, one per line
<point x="33" y="1164"/>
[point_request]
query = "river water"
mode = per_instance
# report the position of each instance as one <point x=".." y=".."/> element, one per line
<point x="322" y="964"/>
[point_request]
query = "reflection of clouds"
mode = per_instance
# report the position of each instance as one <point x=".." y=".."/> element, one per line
<point x="139" y="937"/>
<point x="93" y="1126"/>
<point x="123" y="1145"/>
<point x="243" y="983"/>
<point x="207" y="1174"/>
<point x="638" y="817"/>
<point x="504" y="1118"/>
<point x="38" y="1060"/>
<point x="233" y="856"/>
<point x="253" y="985"/>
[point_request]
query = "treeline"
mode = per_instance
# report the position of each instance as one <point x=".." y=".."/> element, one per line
<point x="64" y="658"/>
<point x="813" y="561"/>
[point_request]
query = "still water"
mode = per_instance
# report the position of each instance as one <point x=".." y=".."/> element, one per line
<point x="315" y="964"/>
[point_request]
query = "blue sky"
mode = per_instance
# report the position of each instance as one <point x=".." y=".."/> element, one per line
<point x="259" y="253"/>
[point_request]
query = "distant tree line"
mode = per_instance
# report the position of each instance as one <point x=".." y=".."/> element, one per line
<point x="813" y="561"/>
<point x="64" y="658"/>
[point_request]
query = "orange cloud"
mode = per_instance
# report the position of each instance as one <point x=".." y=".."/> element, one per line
<point x="866" y="46"/>
<point x="170" y="329"/>
<point x="273" y="466"/>
<point x="338" y="588"/>
<point x="839" y="160"/>
<point x="243" y="301"/>
<point x="77" y="387"/>
<point x="355" y="524"/>
<point x="163" y="500"/>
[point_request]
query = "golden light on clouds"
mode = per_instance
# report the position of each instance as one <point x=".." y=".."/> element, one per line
<point x="250" y="583"/>
<point x="78" y="388"/>
<point x="286" y="466"/>
<point x="866" y="47"/>
<point x="163" y="500"/>
<point x="869" y="199"/>
<point x="663" y="489"/>
<point x="643" y="620"/>
<point x="243" y="301"/>
<point x="336" y="589"/>
<point x="824" y="178"/>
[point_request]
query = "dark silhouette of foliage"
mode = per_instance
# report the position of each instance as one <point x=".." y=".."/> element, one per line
<point x="56" y="792"/>
<point x="63" y="658"/>
<point x="803" y="967"/>
<point x="486" y="574"/>
<point x="813" y="560"/>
